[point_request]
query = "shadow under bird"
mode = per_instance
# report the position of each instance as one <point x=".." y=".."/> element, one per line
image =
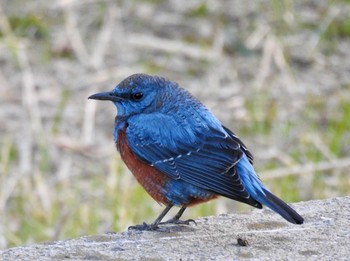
<point x="180" y="152"/>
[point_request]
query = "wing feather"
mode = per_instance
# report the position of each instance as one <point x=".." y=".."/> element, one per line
<point x="206" y="159"/>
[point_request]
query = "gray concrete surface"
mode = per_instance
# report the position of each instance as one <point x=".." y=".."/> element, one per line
<point x="324" y="236"/>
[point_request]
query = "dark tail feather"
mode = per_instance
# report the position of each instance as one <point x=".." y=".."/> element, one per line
<point x="279" y="206"/>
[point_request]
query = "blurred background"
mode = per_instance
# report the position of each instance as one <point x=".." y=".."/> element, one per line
<point x="275" y="72"/>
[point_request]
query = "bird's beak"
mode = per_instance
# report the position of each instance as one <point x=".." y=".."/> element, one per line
<point x="108" y="96"/>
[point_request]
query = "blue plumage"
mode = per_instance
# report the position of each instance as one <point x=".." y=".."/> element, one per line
<point x="171" y="131"/>
<point x="180" y="192"/>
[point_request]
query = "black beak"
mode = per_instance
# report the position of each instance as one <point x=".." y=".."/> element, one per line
<point x="107" y="96"/>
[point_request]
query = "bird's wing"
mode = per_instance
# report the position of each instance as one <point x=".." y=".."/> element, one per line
<point x="202" y="155"/>
<point x="243" y="147"/>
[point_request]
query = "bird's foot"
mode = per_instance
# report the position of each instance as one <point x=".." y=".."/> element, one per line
<point x="178" y="222"/>
<point x="144" y="227"/>
<point x="153" y="227"/>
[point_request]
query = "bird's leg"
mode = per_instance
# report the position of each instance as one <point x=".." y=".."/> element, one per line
<point x="156" y="222"/>
<point x="176" y="219"/>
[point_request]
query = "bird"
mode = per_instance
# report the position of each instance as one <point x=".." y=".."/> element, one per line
<point x="180" y="152"/>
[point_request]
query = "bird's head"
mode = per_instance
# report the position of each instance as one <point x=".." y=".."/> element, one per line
<point x="138" y="93"/>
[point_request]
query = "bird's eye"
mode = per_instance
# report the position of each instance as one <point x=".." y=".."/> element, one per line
<point x="137" y="96"/>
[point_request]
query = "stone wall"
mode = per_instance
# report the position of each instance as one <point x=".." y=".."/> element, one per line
<point x="325" y="235"/>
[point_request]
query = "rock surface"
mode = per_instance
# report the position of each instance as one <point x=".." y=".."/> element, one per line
<point x="325" y="235"/>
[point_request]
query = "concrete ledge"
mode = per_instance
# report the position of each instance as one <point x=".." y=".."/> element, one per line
<point x="325" y="235"/>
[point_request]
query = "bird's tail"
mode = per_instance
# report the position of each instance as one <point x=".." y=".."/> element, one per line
<point x="279" y="206"/>
<point x="261" y="194"/>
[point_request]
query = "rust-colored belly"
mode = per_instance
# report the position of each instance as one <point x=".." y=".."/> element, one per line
<point x="152" y="180"/>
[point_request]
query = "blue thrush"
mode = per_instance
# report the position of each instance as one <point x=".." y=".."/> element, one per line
<point x="180" y="152"/>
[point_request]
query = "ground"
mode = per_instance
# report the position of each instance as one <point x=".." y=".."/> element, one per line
<point x="325" y="235"/>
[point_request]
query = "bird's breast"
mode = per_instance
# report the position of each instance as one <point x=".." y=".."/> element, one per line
<point x="160" y="186"/>
<point x="152" y="180"/>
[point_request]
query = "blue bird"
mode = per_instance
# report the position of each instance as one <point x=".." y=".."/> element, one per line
<point x="180" y="152"/>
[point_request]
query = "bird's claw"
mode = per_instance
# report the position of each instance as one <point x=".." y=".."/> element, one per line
<point x="178" y="222"/>
<point x="144" y="227"/>
<point x="152" y="227"/>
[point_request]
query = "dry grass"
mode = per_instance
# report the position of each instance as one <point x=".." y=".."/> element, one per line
<point x="276" y="72"/>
